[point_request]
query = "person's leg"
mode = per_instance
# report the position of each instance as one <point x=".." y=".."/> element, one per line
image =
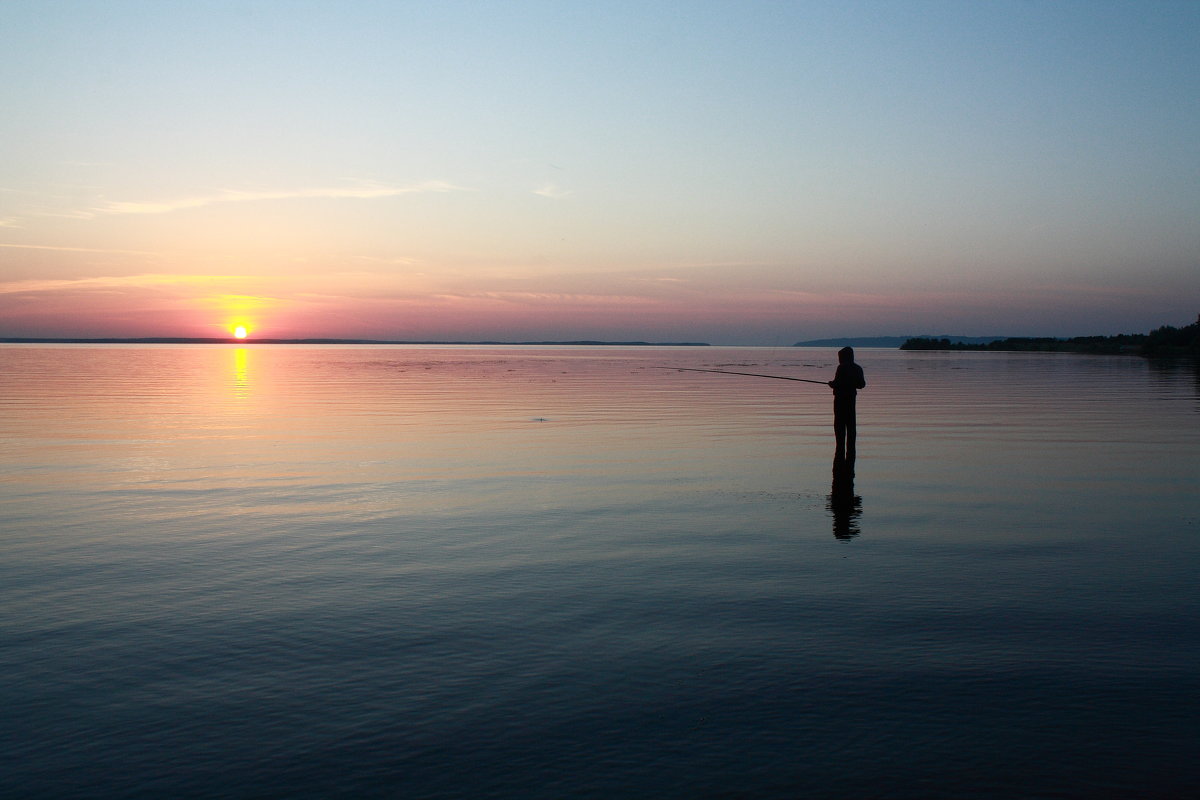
<point x="851" y="424"/>
<point x="839" y="428"/>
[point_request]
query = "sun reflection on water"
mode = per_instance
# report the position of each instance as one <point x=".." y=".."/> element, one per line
<point x="241" y="372"/>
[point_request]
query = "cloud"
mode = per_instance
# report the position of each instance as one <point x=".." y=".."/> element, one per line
<point x="564" y="299"/>
<point x="552" y="191"/>
<point x="362" y="191"/>
<point x="659" y="280"/>
<point x="395" y="260"/>
<point x="76" y="249"/>
<point x="117" y="282"/>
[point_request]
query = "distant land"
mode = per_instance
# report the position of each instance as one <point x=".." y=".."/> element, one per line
<point x="892" y="341"/>
<point x="1164" y="341"/>
<point x="231" y="340"/>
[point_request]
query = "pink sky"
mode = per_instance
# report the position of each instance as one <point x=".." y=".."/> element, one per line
<point x="612" y="307"/>
<point x="568" y="172"/>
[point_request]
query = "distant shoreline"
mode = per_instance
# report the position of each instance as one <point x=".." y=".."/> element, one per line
<point x="228" y="340"/>
<point x="888" y="342"/>
<point x="1164" y="341"/>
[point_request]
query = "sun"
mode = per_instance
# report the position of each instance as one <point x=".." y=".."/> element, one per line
<point x="240" y="332"/>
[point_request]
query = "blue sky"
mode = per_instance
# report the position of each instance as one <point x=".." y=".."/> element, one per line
<point x="743" y="173"/>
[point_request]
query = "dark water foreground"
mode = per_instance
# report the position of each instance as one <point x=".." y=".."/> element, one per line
<point x="507" y="572"/>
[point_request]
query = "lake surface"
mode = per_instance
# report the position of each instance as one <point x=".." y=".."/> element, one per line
<point x="438" y="572"/>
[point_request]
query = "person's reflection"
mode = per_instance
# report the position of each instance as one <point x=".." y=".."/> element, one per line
<point x="844" y="504"/>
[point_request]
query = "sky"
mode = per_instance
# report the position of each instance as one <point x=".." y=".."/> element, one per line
<point x="743" y="173"/>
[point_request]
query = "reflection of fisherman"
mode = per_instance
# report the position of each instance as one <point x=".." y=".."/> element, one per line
<point x="845" y="384"/>
<point x="844" y="504"/>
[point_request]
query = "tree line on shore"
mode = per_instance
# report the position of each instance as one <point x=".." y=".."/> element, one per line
<point x="1167" y="340"/>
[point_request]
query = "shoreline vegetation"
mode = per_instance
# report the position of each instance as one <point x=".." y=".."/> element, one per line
<point x="231" y="340"/>
<point x="1164" y="341"/>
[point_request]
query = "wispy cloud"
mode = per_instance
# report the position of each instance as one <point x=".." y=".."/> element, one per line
<point x="663" y="279"/>
<point x="118" y="282"/>
<point x="560" y="298"/>
<point x="400" y="260"/>
<point x="77" y="249"/>
<point x="552" y="191"/>
<point x="361" y="191"/>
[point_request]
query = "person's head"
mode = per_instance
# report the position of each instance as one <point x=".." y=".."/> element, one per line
<point x="846" y="355"/>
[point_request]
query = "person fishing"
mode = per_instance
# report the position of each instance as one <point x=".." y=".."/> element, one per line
<point x="845" y="384"/>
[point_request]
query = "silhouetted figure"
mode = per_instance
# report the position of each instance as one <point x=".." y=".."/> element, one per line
<point x="844" y="504"/>
<point x="845" y="384"/>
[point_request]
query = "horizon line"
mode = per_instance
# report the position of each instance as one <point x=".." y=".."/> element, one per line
<point x="317" y="340"/>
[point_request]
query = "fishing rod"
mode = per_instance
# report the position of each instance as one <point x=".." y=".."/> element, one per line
<point x="751" y="374"/>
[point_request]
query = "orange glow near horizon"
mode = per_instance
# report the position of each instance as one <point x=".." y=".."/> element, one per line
<point x="240" y="332"/>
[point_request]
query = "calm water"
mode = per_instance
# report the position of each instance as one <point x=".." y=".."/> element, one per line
<point x="563" y="572"/>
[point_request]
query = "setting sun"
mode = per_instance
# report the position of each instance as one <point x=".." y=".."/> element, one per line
<point x="239" y="332"/>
